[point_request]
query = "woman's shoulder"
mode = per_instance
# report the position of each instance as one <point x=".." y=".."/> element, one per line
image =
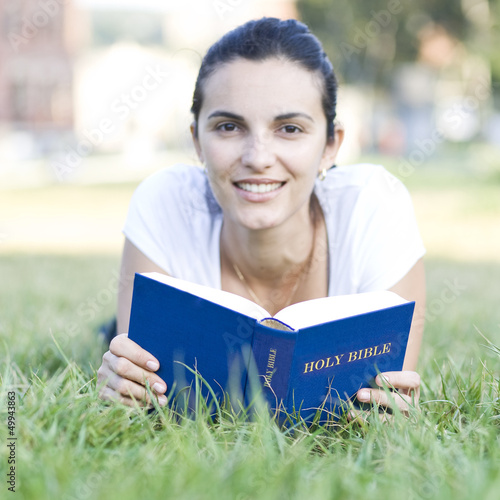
<point x="179" y="185"/>
<point x="362" y="179"/>
<point x="360" y="188"/>
<point x="173" y="219"/>
<point x="359" y="175"/>
<point x="178" y="174"/>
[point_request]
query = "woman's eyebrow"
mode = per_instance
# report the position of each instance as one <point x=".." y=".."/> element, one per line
<point x="285" y="116"/>
<point x="226" y="114"/>
<point x="288" y="116"/>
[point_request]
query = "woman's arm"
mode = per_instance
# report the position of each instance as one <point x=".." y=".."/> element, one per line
<point x="407" y="382"/>
<point x="133" y="261"/>
<point x="126" y="367"/>
<point x="412" y="287"/>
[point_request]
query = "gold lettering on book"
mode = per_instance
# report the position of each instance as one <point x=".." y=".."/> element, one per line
<point x="270" y="367"/>
<point x="332" y="361"/>
<point x="323" y="363"/>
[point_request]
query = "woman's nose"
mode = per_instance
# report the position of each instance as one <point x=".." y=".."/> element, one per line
<point x="258" y="153"/>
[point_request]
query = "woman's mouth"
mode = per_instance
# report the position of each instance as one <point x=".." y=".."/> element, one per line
<point x="252" y="187"/>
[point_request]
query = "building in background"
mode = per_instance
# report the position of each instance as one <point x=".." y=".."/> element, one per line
<point x="81" y="77"/>
<point x="134" y="83"/>
<point x="39" y="41"/>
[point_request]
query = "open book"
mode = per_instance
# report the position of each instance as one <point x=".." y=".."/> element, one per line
<point x="310" y="355"/>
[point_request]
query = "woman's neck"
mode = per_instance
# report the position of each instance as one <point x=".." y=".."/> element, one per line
<point x="276" y="267"/>
<point x="264" y="256"/>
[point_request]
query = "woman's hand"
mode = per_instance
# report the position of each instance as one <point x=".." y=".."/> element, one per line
<point x="125" y="369"/>
<point x="404" y="387"/>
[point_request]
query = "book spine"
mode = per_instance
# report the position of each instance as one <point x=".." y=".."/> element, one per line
<point x="270" y="363"/>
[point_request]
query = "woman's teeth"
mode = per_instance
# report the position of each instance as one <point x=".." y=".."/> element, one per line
<point x="259" y="188"/>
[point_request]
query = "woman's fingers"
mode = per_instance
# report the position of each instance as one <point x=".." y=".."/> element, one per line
<point x="361" y="416"/>
<point x="125" y="370"/>
<point x="404" y="391"/>
<point x="388" y="399"/>
<point x="122" y="346"/>
<point x="128" y="371"/>
<point x="117" y="386"/>
<point x="405" y="381"/>
<point x="109" y="394"/>
<point x="131" y="361"/>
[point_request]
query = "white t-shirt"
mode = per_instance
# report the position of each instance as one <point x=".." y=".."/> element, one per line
<point x="373" y="237"/>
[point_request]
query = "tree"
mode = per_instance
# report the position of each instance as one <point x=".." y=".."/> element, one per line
<point x="365" y="39"/>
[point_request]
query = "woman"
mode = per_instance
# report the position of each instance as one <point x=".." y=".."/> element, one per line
<point x="268" y="218"/>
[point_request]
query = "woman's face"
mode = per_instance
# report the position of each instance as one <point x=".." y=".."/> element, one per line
<point x="262" y="138"/>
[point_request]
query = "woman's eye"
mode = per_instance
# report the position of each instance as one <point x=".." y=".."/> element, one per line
<point x="291" y="129"/>
<point x="227" y="127"/>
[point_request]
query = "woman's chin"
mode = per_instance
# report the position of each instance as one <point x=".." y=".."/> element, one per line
<point x="254" y="222"/>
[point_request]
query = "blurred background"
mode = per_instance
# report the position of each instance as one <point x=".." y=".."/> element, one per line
<point x="95" y="95"/>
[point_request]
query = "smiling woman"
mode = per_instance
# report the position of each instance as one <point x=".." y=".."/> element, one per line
<point x="257" y="115"/>
<point x="268" y="217"/>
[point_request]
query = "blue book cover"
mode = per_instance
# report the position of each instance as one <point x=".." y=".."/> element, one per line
<point x="312" y="355"/>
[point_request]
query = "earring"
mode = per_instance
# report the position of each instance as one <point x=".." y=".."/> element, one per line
<point x="322" y="174"/>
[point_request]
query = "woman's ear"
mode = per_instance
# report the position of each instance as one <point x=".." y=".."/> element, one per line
<point x="332" y="147"/>
<point x="194" y="134"/>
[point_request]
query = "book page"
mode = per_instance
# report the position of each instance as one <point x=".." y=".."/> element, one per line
<point x="317" y="311"/>
<point x="226" y="299"/>
<point x="277" y="325"/>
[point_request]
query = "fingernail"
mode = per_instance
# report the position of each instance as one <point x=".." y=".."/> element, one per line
<point x="158" y="388"/>
<point x="364" y="395"/>
<point x="152" y="365"/>
<point x="162" y="400"/>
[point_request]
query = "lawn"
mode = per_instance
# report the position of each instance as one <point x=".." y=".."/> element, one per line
<point x="70" y="445"/>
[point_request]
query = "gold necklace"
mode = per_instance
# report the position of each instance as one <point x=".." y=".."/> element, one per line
<point x="304" y="270"/>
<point x="247" y="286"/>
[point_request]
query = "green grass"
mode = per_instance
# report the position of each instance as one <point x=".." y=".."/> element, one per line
<point x="73" y="446"/>
<point x="70" y="445"/>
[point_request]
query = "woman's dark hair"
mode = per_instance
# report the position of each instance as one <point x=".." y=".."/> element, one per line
<point x="266" y="38"/>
